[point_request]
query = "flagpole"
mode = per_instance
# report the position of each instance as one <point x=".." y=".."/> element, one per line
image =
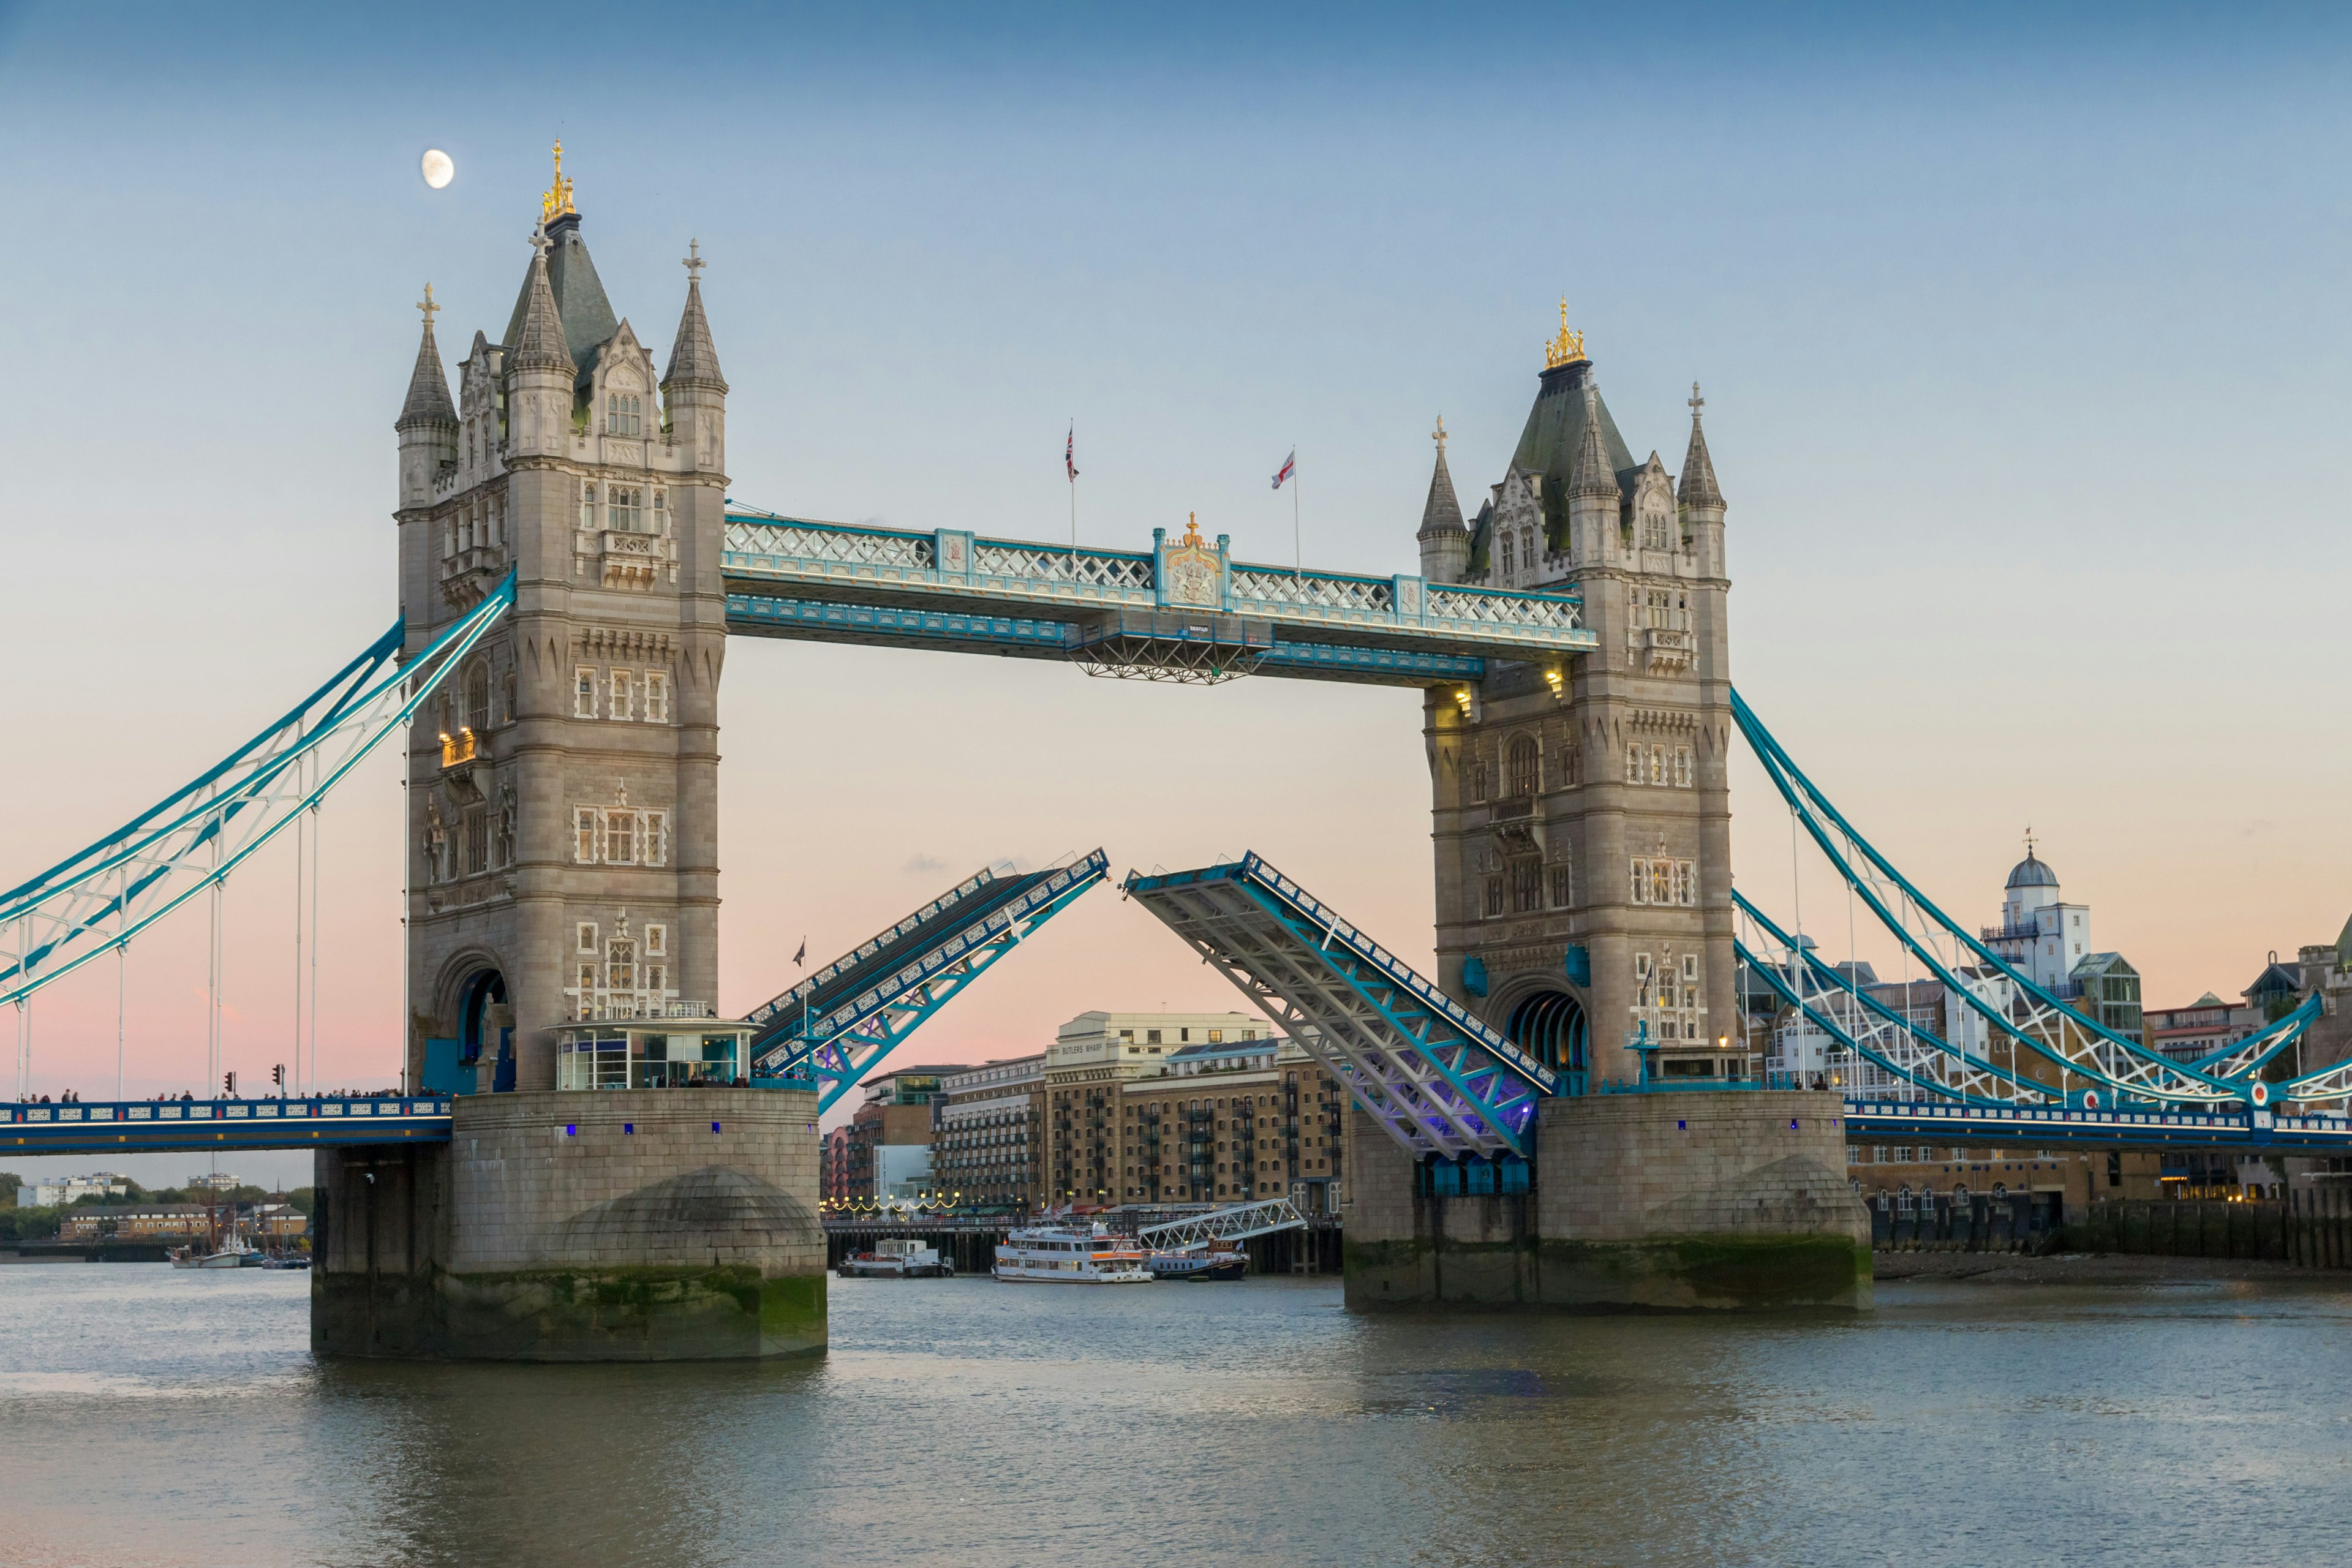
<point x="1297" y="551"/>
<point x="1069" y="461"/>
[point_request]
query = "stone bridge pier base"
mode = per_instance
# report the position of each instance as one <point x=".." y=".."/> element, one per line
<point x="1697" y="1201"/>
<point x="654" y="1225"/>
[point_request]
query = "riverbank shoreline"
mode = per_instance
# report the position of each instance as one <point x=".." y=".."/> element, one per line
<point x="2088" y="1268"/>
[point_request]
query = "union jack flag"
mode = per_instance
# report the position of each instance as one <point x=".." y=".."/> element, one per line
<point x="1289" y="467"/>
<point x="1070" y="451"/>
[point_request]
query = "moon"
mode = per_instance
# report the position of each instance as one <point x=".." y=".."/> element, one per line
<point x="438" y="168"/>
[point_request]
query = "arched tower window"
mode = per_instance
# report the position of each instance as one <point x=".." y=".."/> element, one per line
<point x="622" y="414"/>
<point x="478" y="698"/>
<point x="1524" y="772"/>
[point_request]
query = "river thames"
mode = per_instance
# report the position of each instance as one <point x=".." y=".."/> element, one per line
<point x="154" y="1416"/>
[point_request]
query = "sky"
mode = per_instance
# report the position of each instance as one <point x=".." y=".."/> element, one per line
<point x="2021" y="334"/>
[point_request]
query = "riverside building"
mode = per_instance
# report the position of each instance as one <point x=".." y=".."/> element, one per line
<point x="987" y="1134"/>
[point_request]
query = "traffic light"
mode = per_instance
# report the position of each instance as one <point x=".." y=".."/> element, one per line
<point x="277" y="1075"/>
<point x="228" y="1085"/>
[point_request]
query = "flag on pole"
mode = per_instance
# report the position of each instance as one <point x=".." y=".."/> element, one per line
<point x="801" y="957"/>
<point x="1289" y="469"/>
<point x="1070" y="452"/>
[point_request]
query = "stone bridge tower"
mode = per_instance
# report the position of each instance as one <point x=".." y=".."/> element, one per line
<point x="1582" y="823"/>
<point x="563" y="787"/>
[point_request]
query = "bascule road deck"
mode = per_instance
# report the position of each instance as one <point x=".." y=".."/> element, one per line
<point x="167" y="1126"/>
<point x="1183" y="605"/>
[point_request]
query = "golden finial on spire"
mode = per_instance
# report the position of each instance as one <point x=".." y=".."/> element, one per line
<point x="428" y="307"/>
<point x="1438" y="435"/>
<point x="558" y="199"/>
<point x="1192" y="528"/>
<point x="1567" y="348"/>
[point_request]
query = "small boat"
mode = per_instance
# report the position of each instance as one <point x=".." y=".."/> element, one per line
<point x="1215" y="1263"/>
<point x="896" y="1257"/>
<point x="286" y="1260"/>
<point x="231" y="1254"/>
<point x="1071" y="1255"/>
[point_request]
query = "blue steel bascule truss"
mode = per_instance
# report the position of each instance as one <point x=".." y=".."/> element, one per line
<point x="2093" y="1062"/>
<point x="836" y="1025"/>
<point x="101" y="899"/>
<point x="1437" y="1078"/>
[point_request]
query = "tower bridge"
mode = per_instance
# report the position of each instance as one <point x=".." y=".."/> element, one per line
<point x="1563" y="1113"/>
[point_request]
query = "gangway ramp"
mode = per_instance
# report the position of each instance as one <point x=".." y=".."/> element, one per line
<point x="1438" y="1079"/>
<point x="838" y="1023"/>
<point x="1236" y="1224"/>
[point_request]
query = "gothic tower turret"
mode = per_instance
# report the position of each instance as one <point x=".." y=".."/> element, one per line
<point x="1445" y="541"/>
<point x="428" y="420"/>
<point x="563" y="787"/>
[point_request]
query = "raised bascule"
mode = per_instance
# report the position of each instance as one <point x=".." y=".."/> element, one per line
<point x="589" y="1162"/>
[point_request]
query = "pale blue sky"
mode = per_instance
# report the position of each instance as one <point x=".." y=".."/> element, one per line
<point x="2022" y="340"/>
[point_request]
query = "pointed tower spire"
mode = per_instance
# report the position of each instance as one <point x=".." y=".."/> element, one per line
<point x="1594" y="476"/>
<point x="539" y="345"/>
<point x="1445" y="541"/>
<point x="427" y="405"/>
<point x="1698" y="486"/>
<point x="693" y="358"/>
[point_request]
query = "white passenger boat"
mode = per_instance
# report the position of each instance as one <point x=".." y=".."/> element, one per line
<point x="894" y="1258"/>
<point x="1071" y="1255"/>
<point x="232" y="1254"/>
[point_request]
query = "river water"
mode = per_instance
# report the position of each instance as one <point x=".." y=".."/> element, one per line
<point x="149" y="1415"/>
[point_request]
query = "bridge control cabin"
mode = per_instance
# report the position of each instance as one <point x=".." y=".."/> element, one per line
<point x="653" y="1052"/>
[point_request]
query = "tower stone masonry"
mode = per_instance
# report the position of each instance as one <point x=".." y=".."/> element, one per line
<point x="562" y="788"/>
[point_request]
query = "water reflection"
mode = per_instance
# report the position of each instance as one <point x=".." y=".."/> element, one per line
<point x="176" y="1417"/>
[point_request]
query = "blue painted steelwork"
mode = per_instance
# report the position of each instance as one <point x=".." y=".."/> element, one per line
<point x="1882" y="1120"/>
<point x="1436" y="1076"/>
<point x="836" y="1025"/>
<point x="1030" y="637"/>
<point x="958" y="573"/>
<point x="100" y="898"/>
<point x="2061" y="1034"/>
<point x="166" y="1126"/>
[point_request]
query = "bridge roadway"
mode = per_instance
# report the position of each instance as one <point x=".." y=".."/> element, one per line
<point x="166" y="1126"/>
<point x="145" y="1126"/>
<point x="1182" y="605"/>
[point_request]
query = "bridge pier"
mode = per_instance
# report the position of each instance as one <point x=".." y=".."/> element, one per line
<point x="654" y="1225"/>
<point x="1697" y="1201"/>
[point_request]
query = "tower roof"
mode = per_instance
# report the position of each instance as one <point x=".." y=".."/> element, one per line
<point x="1567" y="399"/>
<point x="428" y="385"/>
<point x="1698" y="486"/>
<point x="1442" y="511"/>
<point x="693" y="358"/>
<point x="536" y="333"/>
<point x="2031" y="873"/>
<point x="579" y="294"/>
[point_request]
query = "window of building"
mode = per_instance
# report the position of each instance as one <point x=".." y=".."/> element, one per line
<point x="1563" y="887"/>
<point x="622" y="414"/>
<point x="1527" y="885"/>
<point x="1657" y="764"/>
<point x="656" y="697"/>
<point x="1683" y="772"/>
<point x="584" y="693"/>
<point x="478" y="839"/>
<point x="587" y="936"/>
<point x="1633" y="764"/>
<point x="656" y="839"/>
<point x="621" y="964"/>
<point x="1525" y="770"/>
<point x="1494" y="895"/>
<point x="587" y="989"/>
<point x="1478" y="783"/>
<point x="1151" y="1036"/>
<point x="1216" y="1037"/>
<point x="1644" y="986"/>
<point x="621" y="838"/>
<point x="622" y="704"/>
<point x="656" y="941"/>
<point x="477" y="697"/>
<point x="583" y="835"/>
<point x="1654" y="530"/>
<point x="624" y="507"/>
<point x="588" y="504"/>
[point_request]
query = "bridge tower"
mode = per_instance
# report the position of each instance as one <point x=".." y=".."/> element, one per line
<point x="1583" y="832"/>
<point x="563" y="794"/>
<point x="1582" y="815"/>
<point x="563" y="868"/>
